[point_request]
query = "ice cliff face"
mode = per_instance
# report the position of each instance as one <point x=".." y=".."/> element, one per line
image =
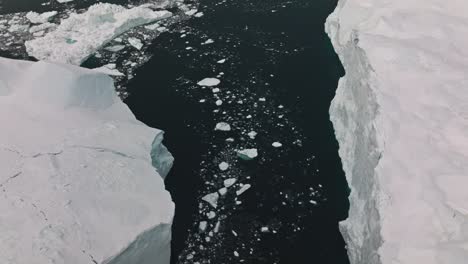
<point x="76" y="176"/>
<point x="401" y="119"/>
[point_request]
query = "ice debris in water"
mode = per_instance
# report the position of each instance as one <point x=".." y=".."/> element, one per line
<point x="223" y="126"/>
<point x="277" y="144"/>
<point x="80" y="35"/>
<point x="222" y="191"/>
<point x="115" y="48"/>
<point x="247" y="154"/>
<point x="252" y="134"/>
<point x="211" y="215"/>
<point x="202" y="225"/>
<point x="221" y="61"/>
<point x="244" y="188"/>
<point x="64" y="1"/>
<point x="136" y="43"/>
<point x="212" y="199"/>
<point x="109" y="69"/>
<point x="229" y="182"/>
<point x="209" y="82"/>
<point x="219" y="102"/>
<point x="223" y="166"/>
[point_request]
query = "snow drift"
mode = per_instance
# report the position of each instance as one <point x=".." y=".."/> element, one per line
<point x="401" y="119"/>
<point x="76" y="171"/>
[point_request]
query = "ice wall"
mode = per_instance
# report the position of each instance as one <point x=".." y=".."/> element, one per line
<point x="77" y="181"/>
<point x="401" y="118"/>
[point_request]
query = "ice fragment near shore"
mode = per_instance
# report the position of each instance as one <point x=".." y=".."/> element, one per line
<point x="209" y="82"/>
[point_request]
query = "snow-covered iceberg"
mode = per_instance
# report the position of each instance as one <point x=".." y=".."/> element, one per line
<point x="401" y="119"/>
<point x="77" y="176"/>
<point x="80" y="35"/>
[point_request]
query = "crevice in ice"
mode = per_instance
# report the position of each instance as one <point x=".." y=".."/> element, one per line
<point x="99" y="149"/>
<point x="10" y="178"/>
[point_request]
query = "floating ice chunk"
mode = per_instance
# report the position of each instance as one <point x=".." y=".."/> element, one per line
<point x="152" y="26"/>
<point x="222" y="191"/>
<point x="191" y="12"/>
<point x="216" y="228"/>
<point x="109" y="69"/>
<point x="219" y="102"/>
<point x="223" y="126"/>
<point x="211" y="215"/>
<point x="115" y="48"/>
<point x="202" y="226"/>
<point x="230" y="139"/>
<point x="202" y="100"/>
<point x="234" y="233"/>
<point x="229" y="182"/>
<point x="37" y="18"/>
<point x="252" y="134"/>
<point x="244" y="188"/>
<point x="215" y="90"/>
<point x="223" y="166"/>
<point x="136" y="43"/>
<point x="277" y="144"/>
<point x="17" y="27"/>
<point x="212" y="199"/>
<point x="221" y="61"/>
<point x="199" y="14"/>
<point x="209" y="41"/>
<point x="264" y="229"/>
<point x="247" y="154"/>
<point x="80" y="35"/>
<point x="236" y="254"/>
<point x="262" y="99"/>
<point x="209" y="82"/>
<point x="64" y="1"/>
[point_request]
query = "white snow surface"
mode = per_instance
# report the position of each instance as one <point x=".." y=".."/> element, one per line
<point x="80" y="35"/>
<point x="401" y="119"/>
<point x="76" y="176"/>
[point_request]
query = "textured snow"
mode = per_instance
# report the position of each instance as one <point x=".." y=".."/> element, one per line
<point x="80" y="35"/>
<point x="76" y="175"/>
<point x="401" y="119"/>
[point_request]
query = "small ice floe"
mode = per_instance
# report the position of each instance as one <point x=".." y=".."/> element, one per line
<point x="244" y="188"/>
<point x="64" y="1"/>
<point x="223" y="126"/>
<point x="280" y="106"/>
<point x="229" y="182"/>
<point x="247" y="154"/>
<point x="189" y="48"/>
<point x="215" y="90"/>
<point x="211" y="215"/>
<point x="199" y="14"/>
<point x="191" y="12"/>
<point x="216" y="228"/>
<point x="109" y="69"/>
<point x="264" y="229"/>
<point x="37" y="18"/>
<point x="221" y="61"/>
<point x="277" y="144"/>
<point x="212" y="199"/>
<point x="234" y="232"/>
<point x="41" y="27"/>
<point x="152" y="26"/>
<point x="209" y="82"/>
<point x="202" y="226"/>
<point x="262" y="99"/>
<point x="222" y="191"/>
<point x="202" y="100"/>
<point x="223" y="166"/>
<point x="313" y="202"/>
<point x="219" y="102"/>
<point x="236" y="254"/>
<point x="252" y="134"/>
<point x="208" y="41"/>
<point x="136" y="43"/>
<point x="229" y="140"/>
<point x="115" y="48"/>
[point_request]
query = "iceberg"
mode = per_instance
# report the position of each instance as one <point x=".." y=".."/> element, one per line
<point x="80" y="35"/>
<point x="401" y="119"/>
<point x="81" y="179"/>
